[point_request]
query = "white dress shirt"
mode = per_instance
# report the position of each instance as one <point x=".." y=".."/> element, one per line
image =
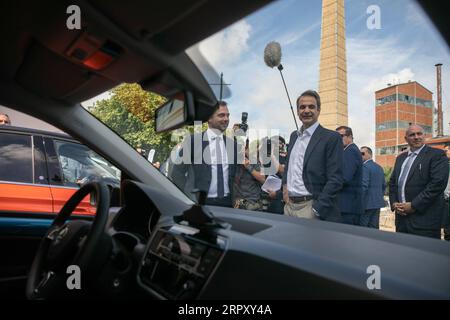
<point x="295" y="185"/>
<point x="414" y="155"/>
<point x="212" y="136"/>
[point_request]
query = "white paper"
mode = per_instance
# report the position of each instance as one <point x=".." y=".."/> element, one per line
<point x="151" y="154"/>
<point x="272" y="183"/>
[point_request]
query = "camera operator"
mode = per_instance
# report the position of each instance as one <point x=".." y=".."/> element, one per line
<point x="247" y="185"/>
<point x="248" y="179"/>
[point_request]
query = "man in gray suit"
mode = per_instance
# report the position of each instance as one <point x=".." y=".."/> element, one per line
<point x="209" y="161"/>
<point x="374" y="186"/>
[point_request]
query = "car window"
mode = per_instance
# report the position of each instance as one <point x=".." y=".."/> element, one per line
<point x="80" y="165"/>
<point x="386" y="54"/>
<point x="16" y="158"/>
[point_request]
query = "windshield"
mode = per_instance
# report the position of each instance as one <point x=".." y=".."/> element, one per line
<point x="372" y="63"/>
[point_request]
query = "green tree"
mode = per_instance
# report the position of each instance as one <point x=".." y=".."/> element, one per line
<point x="129" y="111"/>
<point x="387" y="177"/>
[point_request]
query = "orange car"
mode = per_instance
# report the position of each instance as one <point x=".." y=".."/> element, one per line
<point x="40" y="170"/>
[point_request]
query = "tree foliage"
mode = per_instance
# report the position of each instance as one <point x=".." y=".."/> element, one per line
<point x="387" y="177"/>
<point x="129" y="111"/>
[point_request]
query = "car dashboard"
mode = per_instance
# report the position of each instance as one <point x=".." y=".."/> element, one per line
<point x="179" y="261"/>
<point x="266" y="256"/>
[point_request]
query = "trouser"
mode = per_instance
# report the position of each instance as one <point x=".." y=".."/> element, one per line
<point x="404" y="226"/>
<point x="300" y="210"/>
<point x="370" y="218"/>
<point x="446" y="220"/>
<point x="350" y="218"/>
<point x="276" y="205"/>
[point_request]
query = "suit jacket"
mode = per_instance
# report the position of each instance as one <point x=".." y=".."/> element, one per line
<point x="374" y="185"/>
<point x="424" y="188"/>
<point x="196" y="173"/>
<point x="350" y="197"/>
<point x="322" y="170"/>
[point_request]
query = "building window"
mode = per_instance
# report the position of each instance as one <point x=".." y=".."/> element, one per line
<point x="392" y="125"/>
<point x="405" y="99"/>
<point x="384" y="100"/>
<point x="388" y="125"/>
<point x="385" y="151"/>
<point x="16" y="158"/>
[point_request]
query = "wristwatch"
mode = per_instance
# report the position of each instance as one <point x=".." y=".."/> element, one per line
<point x="316" y="213"/>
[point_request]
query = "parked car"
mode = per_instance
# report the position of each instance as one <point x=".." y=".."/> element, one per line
<point x="41" y="170"/>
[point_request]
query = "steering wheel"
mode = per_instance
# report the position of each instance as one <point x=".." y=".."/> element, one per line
<point x="72" y="243"/>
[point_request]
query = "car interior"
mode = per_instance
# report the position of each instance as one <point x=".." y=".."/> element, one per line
<point x="154" y="242"/>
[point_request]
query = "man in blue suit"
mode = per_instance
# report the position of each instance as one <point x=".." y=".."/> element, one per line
<point x="313" y="172"/>
<point x="350" y="197"/>
<point x="374" y="186"/>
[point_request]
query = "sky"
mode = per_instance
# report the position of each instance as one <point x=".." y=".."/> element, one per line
<point x="406" y="47"/>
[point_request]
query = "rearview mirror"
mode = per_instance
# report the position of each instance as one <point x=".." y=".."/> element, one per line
<point x="174" y="113"/>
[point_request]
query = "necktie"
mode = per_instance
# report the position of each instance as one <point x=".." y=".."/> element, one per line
<point x="220" y="186"/>
<point x="409" y="160"/>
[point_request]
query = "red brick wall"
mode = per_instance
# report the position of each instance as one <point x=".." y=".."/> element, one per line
<point x="406" y="112"/>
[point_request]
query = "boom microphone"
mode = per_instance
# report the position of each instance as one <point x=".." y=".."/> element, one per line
<point x="272" y="58"/>
<point x="272" y="54"/>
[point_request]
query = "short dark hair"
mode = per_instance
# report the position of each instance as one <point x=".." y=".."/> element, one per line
<point x="368" y="150"/>
<point x="310" y="93"/>
<point x="216" y="107"/>
<point x="348" y="130"/>
<point x="219" y="104"/>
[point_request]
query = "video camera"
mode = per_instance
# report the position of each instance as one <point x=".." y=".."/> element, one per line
<point x="243" y="125"/>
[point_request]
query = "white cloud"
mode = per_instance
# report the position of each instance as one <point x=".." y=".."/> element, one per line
<point x="293" y="37"/>
<point x="402" y="76"/>
<point x="227" y="46"/>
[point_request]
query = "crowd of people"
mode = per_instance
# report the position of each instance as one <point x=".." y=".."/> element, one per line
<point x="323" y="175"/>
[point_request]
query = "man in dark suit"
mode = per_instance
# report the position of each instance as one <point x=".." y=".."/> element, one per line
<point x="446" y="218"/>
<point x="208" y="161"/>
<point x="350" y="197"/>
<point x="374" y="186"/>
<point x="313" y="172"/>
<point x="416" y="187"/>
